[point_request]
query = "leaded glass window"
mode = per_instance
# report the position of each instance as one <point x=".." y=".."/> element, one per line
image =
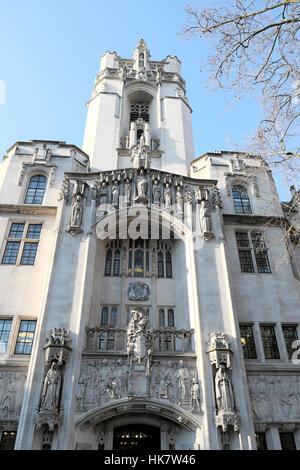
<point x="241" y="200"/>
<point x="5" y="326"/>
<point x="36" y="189"/>
<point x="269" y="342"/>
<point x="248" y="343"/>
<point x="22" y="243"/>
<point x="290" y="335"/>
<point x="104" y="316"/>
<point x="25" y="337"/>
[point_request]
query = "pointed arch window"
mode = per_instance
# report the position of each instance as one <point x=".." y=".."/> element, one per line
<point x="36" y="189"/>
<point x="241" y="200"/>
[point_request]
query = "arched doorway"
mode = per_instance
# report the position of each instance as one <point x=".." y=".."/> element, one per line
<point x="136" y="437"/>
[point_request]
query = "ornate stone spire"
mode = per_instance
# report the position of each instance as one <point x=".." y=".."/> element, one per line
<point x="141" y="56"/>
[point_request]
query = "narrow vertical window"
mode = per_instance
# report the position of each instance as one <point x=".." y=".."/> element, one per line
<point x="104" y="316"/>
<point x="269" y="342"/>
<point x="36" y="190"/>
<point x="260" y="251"/>
<point x="113" y="316"/>
<point x="248" y="343"/>
<point x="168" y="264"/>
<point x="111" y="341"/>
<point x="290" y="335"/>
<point x="5" y="325"/>
<point x="129" y="262"/>
<point x="102" y="342"/>
<point x="160" y="264"/>
<point x="147" y="264"/>
<point x="171" y="321"/>
<point x="108" y="262"/>
<point x="244" y="251"/>
<point x="116" y="270"/>
<point x="25" y="337"/>
<point x="161" y="318"/>
<point x="138" y="263"/>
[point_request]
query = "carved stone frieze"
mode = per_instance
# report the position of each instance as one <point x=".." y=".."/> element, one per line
<point x="12" y="385"/>
<point x="104" y="380"/>
<point x="285" y="393"/>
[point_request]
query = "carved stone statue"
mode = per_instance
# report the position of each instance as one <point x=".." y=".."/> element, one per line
<point x="103" y="195"/>
<point x="168" y="196"/>
<point x="156" y="192"/>
<point x="142" y="185"/>
<point x="195" y="396"/>
<point x="77" y="212"/>
<point x="205" y="220"/>
<point x="141" y="154"/>
<point x="139" y="335"/>
<point x="179" y="200"/>
<point x="51" y="389"/>
<point x="115" y="194"/>
<point x="224" y="390"/>
<point x="127" y="192"/>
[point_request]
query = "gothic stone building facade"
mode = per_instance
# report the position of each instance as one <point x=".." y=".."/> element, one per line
<point x="149" y="299"/>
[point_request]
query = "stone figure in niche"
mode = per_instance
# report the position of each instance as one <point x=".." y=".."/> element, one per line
<point x="156" y="192"/>
<point x="124" y="73"/>
<point x="51" y="389"/>
<point x="103" y="195"/>
<point x="142" y="185"/>
<point x="195" y="395"/>
<point x="205" y="217"/>
<point x="224" y="390"/>
<point x="127" y="192"/>
<point x="168" y="196"/>
<point x="179" y="200"/>
<point x="141" y="155"/>
<point x="115" y="194"/>
<point x="77" y="212"/>
<point x="158" y="76"/>
<point x="138" y="291"/>
<point x="139" y="335"/>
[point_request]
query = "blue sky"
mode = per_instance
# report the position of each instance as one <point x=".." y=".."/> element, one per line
<point x="50" y="54"/>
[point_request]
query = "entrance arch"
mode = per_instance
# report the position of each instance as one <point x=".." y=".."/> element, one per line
<point x="99" y="427"/>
